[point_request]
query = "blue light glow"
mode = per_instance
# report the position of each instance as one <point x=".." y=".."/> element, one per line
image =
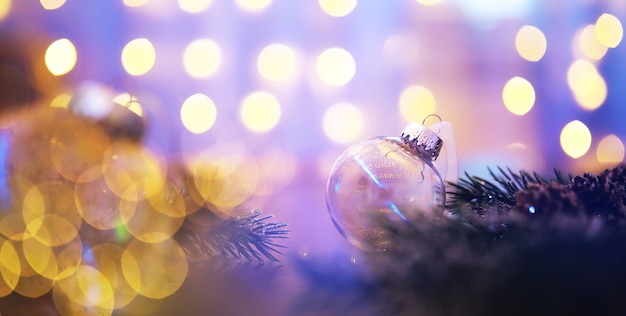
<point x="532" y="210"/>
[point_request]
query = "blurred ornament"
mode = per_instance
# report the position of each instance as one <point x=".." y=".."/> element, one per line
<point x="383" y="186"/>
<point x="96" y="101"/>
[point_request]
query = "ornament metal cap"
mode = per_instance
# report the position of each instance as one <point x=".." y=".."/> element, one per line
<point x="422" y="140"/>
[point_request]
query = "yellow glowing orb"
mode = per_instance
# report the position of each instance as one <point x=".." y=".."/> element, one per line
<point x="5" y="8"/>
<point x="60" y="57"/>
<point x="202" y="58"/>
<point x="609" y="30"/>
<point x="146" y="223"/>
<point x="575" y="139"/>
<point x="138" y="57"/>
<point x="610" y="150"/>
<point x="194" y="6"/>
<point x="135" y="3"/>
<point x="130" y="102"/>
<point x="198" y="113"/>
<point x="336" y="66"/>
<point x="416" y="102"/>
<point x="587" y="85"/>
<point x="260" y="111"/>
<point x="51" y="4"/>
<point x="531" y="43"/>
<point x="518" y="95"/>
<point x="154" y="270"/>
<point x="61" y="101"/>
<point x="429" y="2"/>
<point x="253" y="5"/>
<point x="589" y="44"/>
<point x="342" y="122"/>
<point x="33" y="286"/>
<point x="276" y="62"/>
<point x="337" y="8"/>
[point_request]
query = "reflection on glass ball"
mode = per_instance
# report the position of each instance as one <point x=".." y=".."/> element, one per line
<point x="380" y="187"/>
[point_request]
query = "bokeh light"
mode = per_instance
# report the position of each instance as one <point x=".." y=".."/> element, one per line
<point x="260" y="111"/>
<point x="60" y="57"/>
<point x="276" y="62"/>
<point x="587" y="41"/>
<point x="531" y="43"/>
<point x="198" y="113"/>
<point x="51" y="4"/>
<point x="225" y="176"/>
<point x="610" y="150"/>
<point x="518" y="95"/>
<point x="138" y="57"/>
<point x="202" y="58"/>
<point x="342" y="122"/>
<point x="416" y="102"/>
<point x="194" y="6"/>
<point x="61" y="101"/>
<point x="587" y="85"/>
<point x="429" y="2"/>
<point x="135" y="3"/>
<point x="575" y="139"/>
<point x="253" y="5"/>
<point x="130" y="102"/>
<point x="335" y="66"/>
<point x="5" y="8"/>
<point x="337" y="8"/>
<point x="609" y="30"/>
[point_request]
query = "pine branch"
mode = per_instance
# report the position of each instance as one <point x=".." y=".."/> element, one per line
<point x="251" y="237"/>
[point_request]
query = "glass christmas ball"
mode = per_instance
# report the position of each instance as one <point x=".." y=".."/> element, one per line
<point x="382" y="186"/>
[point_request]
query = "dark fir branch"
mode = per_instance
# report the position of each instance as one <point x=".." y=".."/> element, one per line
<point x="519" y="244"/>
<point x="250" y="237"/>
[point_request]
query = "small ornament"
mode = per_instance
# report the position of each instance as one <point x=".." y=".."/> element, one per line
<point x="385" y="185"/>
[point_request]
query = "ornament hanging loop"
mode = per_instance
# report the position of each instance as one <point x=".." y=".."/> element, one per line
<point x="436" y="116"/>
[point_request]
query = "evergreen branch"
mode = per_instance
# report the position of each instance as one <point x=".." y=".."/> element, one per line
<point x="251" y="237"/>
<point x="501" y="189"/>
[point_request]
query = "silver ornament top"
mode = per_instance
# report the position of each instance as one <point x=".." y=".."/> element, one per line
<point x="422" y="140"/>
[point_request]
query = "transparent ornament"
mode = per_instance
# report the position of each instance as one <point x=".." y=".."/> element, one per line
<point x="383" y="186"/>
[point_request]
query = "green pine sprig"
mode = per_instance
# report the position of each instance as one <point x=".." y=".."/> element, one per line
<point x="250" y="237"/>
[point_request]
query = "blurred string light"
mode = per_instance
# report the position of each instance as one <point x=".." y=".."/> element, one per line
<point x="260" y="111"/>
<point x="155" y="281"/>
<point x="198" y="113"/>
<point x="335" y="66"/>
<point x="138" y="57"/>
<point x="5" y="8"/>
<point x="194" y="6"/>
<point x="486" y="13"/>
<point x="518" y="95"/>
<point x="60" y="57"/>
<point x="530" y="43"/>
<point x="609" y="30"/>
<point x="429" y="2"/>
<point x="202" y="58"/>
<point x="61" y="101"/>
<point x="587" y="43"/>
<point x="277" y="167"/>
<point x="276" y="62"/>
<point x="253" y="5"/>
<point x="401" y="48"/>
<point x="226" y="175"/>
<point x="575" y="139"/>
<point x="337" y="8"/>
<point x="610" y="150"/>
<point x="342" y="122"/>
<point x="130" y="102"/>
<point x="416" y="102"/>
<point x="135" y="3"/>
<point x="587" y="84"/>
<point x="51" y="4"/>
